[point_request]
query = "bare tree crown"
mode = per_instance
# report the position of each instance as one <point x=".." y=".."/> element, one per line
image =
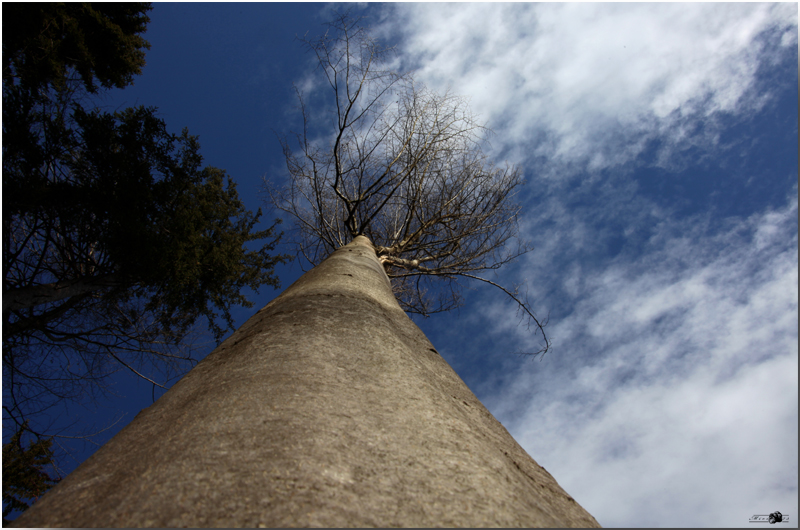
<point x="389" y="159"/>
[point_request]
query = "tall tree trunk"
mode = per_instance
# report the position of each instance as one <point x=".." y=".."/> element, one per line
<point x="33" y="295"/>
<point x="329" y="407"/>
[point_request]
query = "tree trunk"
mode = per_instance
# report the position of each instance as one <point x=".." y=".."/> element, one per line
<point x="328" y="407"/>
<point x="33" y="295"/>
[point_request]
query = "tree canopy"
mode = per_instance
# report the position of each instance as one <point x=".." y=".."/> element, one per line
<point x="116" y="241"/>
<point x="383" y="156"/>
<point x="25" y="477"/>
<point x="49" y="44"/>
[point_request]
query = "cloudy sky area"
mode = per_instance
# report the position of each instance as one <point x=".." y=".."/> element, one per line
<point x="659" y="142"/>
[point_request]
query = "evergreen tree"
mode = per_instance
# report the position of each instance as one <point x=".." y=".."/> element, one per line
<point x="116" y="241"/>
<point x="24" y="475"/>
<point x="47" y="45"/>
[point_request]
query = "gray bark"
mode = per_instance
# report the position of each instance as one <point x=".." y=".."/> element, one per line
<point x="33" y="295"/>
<point x="329" y="407"/>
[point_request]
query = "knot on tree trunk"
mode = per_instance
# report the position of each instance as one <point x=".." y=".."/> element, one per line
<point x="399" y="262"/>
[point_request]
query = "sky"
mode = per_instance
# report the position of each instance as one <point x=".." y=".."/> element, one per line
<point x="660" y="147"/>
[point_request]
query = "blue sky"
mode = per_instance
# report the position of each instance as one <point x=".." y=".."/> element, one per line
<point x="660" y="146"/>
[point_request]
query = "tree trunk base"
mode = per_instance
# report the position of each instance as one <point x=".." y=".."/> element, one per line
<point x="329" y="407"/>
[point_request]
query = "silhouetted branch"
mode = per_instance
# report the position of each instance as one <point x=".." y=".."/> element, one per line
<point x="387" y="158"/>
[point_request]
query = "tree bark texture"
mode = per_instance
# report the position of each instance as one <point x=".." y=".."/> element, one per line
<point x="31" y="296"/>
<point x="329" y="407"/>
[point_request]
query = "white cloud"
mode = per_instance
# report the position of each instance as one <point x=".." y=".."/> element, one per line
<point x="587" y="86"/>
<point x="672" y="399"/>
<point x="688" y="452"/>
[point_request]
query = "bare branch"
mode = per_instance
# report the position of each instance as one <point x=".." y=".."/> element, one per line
<point x="389" y="159"/>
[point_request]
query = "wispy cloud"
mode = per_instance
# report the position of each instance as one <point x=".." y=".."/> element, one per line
<point x="590" y="86"/>
<point x="673" y="389"/>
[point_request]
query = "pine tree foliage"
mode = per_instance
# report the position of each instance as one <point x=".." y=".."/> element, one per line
<point x="116" y="240"/>
<point x="49" y="44"/>
<point x="24" y="475"/>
